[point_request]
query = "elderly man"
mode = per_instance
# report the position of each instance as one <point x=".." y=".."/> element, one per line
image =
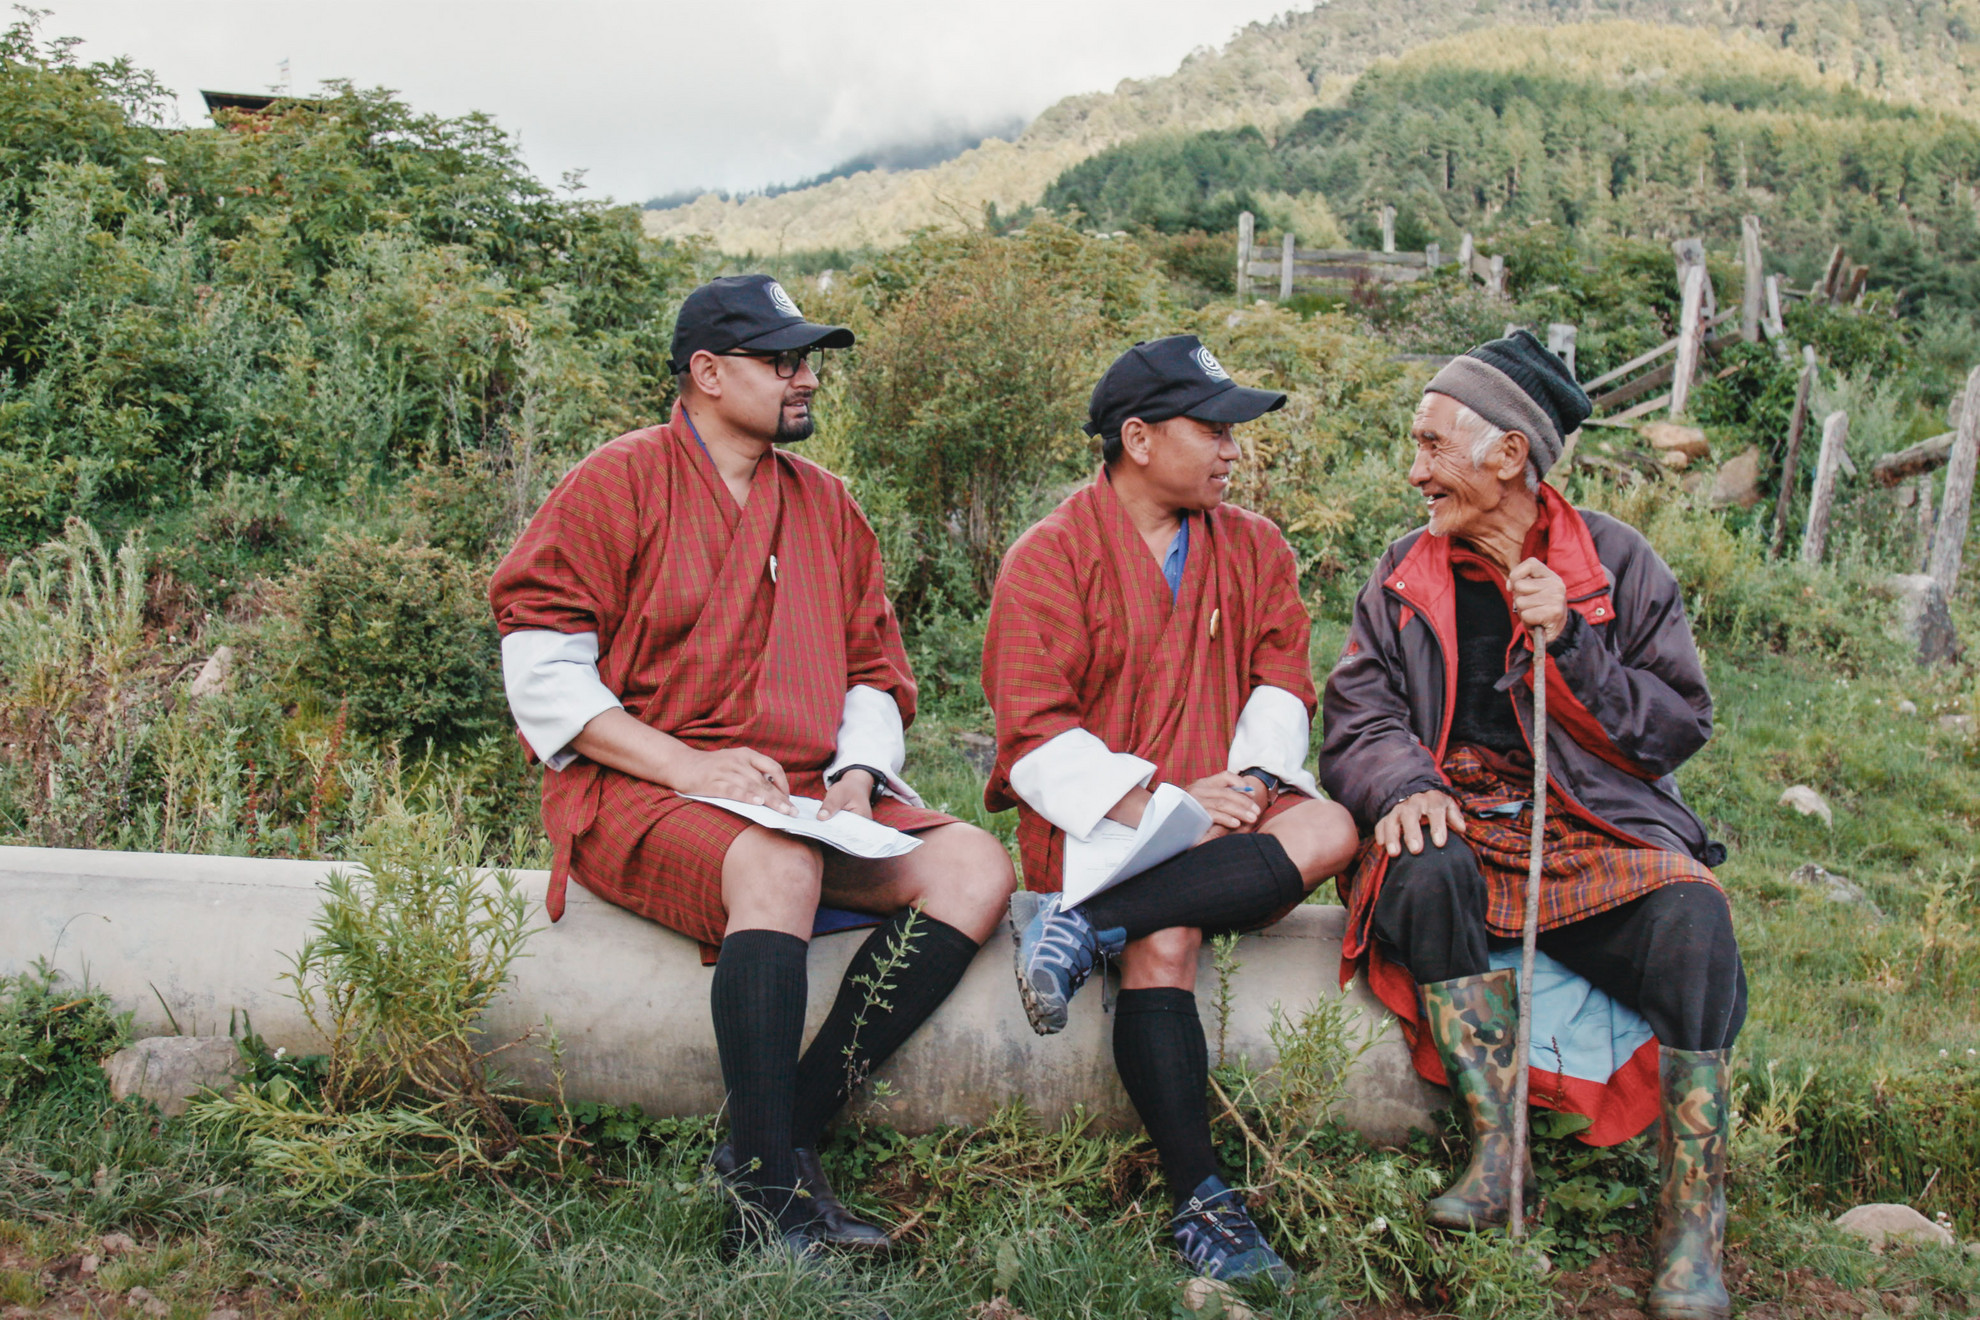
<point x="697" y="611"/>
<point x="1146" y="634"/>
<point x="1428" y="722"/>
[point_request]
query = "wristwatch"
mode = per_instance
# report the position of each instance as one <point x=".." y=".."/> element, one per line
<point x="879" y="780"/>
<point x="1273" y="784"/>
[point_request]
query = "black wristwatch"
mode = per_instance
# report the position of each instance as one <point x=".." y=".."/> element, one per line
<point x="879" y="780"/>
<point x="1273" y="784"/>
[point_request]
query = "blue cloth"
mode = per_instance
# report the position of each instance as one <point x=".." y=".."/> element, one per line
<point x="1177" y="558"/>
<point x="1577" y="1030"/>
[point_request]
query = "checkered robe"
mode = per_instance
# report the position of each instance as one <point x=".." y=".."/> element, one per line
<point x="643" y="544"/>
<point x="1083" y="634"/>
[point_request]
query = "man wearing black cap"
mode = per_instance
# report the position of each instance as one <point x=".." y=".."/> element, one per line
<point x="1638" y="991"/>
<point x="696" y="611"/>
<point x="1147" y="634"/>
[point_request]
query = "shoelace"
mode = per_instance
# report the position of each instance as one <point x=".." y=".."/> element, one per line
<point x="1227" y="1221"/>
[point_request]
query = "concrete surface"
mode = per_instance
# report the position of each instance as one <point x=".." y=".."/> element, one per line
<point x="211" y="937"/>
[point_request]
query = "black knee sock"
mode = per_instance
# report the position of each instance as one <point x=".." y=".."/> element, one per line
<point x="1165" y="1067"/>
<point x="845" y="1050"/>
<point x="1229" y="883"/>
<point x="758" y="1003"/>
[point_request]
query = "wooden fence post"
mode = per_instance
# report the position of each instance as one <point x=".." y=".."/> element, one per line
<point x="1949" y="540"/>
<point x="1433" y="256"/>
<point x="1466" y="251"/>
<point x="1388" y="229"/>
<point x="1495" y="284"/>
<point x="1791" y="464"/>
<point x="1691" y="330"/>
<point x="1286" y="266"/>
<point x="1560" y="341"/>
<point x="1835" y="434"/>
<point x="1245" y="223"/>
<point x="1775" y="327"/>
<point x="1749" y="255"/>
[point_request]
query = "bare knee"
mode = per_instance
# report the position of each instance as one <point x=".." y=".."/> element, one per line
<point x="770" y="881"/>
<point x="1320" y="838"/>
<point x="1165" y="958"/>
<point x="963" y="878"/>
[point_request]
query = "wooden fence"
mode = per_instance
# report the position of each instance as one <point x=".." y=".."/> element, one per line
<point x="1293" y="269"/>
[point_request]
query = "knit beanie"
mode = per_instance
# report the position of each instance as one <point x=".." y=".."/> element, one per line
<point x="1518" y="384"/>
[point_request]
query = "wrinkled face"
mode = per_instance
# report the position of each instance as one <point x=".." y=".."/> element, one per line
<point x="754" y="400"/>
<point x="1188" y="463"/>
<point x="1461" y="497"/>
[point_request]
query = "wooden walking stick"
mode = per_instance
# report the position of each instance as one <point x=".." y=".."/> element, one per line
<point x="1529" y="936"/>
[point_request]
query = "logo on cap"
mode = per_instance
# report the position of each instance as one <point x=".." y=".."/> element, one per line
<point x="782" y="301"/>
<point x="1211" y="366"/>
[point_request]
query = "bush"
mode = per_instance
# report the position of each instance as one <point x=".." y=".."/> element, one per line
<point x="53" y="1035"/>
<point x="402" y="634"/>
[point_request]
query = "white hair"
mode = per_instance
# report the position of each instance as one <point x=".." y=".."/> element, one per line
<point x="1482" y="437"/>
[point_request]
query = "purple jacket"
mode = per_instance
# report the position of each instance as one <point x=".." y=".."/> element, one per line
<point x="1627" y="702"/>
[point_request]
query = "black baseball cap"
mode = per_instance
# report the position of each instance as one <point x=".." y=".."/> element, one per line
<point x="749" y="312"/>
<point x="1172" y="377"/>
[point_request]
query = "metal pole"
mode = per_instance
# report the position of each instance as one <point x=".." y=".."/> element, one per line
<point x="1529" y="938"/>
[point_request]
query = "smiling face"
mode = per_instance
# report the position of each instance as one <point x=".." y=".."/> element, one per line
<point x="1465" y="499"/>
<point x="1181" y="463"/>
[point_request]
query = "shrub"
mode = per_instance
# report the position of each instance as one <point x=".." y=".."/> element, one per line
<point x="401" y="633"/>
<point x="53" y="1035"/>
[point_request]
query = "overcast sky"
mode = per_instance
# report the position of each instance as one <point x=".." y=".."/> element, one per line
<point x="656" y="97"/>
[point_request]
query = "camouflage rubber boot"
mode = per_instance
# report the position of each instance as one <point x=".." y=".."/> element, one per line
<point x="1691" y="1206"/>
<point x="1475" y="1020"/>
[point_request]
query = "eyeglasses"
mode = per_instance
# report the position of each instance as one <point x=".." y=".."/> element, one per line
<point x="786" y="363"/>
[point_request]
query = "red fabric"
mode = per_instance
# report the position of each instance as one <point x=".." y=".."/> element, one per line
<point x="643" y="544"/>
<point x="1083" y="633"/>
<point x="1583" y="871"/>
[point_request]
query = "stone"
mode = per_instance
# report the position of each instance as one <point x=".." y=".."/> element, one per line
<point x="1957" y="724"/>
<point x="1923" y="619"/>
<point x="979" y="749"/>
<point x="1833" y="887"/>
<point x="1808" y="802"/>
<point x="225" y="1313"/>
<point x="1675" y="459"/>
<point x="117" y="1244"/>
<point x="1907" y="707"/>
<point x="147" y="1304"/>
<point x="1737" y="482"/>
<point x="170" y="1070"/>
<point x="212" y="676"/>
<point x="1880" y="1223"/>
<point x="1670" y="438"/>
<point x="1214" y="1297"/>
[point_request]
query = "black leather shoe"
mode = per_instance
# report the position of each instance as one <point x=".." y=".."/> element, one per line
<point x="831" y="1224"/>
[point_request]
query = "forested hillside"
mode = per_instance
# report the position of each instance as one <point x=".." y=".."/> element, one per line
<point x="1608" y="130"/>
<point x="1917" y="51"/>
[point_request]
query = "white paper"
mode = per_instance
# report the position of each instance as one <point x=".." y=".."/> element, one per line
<point x="847" y="831"/>
<point x="1172" y="824"/>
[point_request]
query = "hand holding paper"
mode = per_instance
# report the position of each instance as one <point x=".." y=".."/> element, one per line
<point x="847" y="831"/>
<point x="1171" y="824"/>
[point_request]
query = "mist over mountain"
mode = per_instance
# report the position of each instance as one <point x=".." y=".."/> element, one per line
<point x="1272" y="73"/>
<point x="919" y="153"/>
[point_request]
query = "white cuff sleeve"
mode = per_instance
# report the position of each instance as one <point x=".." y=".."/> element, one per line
<point x="871" y="734"/>
<point x="1074" y="780"/>
<point x="1272" y="733"/>
<point x="554" y="689"/>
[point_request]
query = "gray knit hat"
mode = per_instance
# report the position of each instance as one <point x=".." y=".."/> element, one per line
<point x="1518" y="384"/>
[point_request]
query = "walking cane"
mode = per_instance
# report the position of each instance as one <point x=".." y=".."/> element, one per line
<point x="1529" y="935"/>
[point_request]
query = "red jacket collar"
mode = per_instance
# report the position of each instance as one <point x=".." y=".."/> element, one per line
<point x="1559" y="538"/>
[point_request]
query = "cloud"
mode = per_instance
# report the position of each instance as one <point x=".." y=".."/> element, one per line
<point x="654" y="97"/>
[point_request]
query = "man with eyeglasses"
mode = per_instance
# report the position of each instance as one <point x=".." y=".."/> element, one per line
<point x="697" y="611"/>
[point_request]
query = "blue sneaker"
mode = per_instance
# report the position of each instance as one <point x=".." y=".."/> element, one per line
<point x="1056" y="952"/>
<point x="1219" y="1240"/>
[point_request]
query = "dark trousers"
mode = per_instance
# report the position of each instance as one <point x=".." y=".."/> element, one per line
<point x="1670" y="954"/>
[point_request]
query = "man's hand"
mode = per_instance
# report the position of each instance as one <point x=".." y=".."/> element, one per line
<point x="1539" y="597"/>
<point x="852" y="792"/>
<point x="1232" y="809"/>
<point x="734" y="772"/>
<point x="1403" y="827"/>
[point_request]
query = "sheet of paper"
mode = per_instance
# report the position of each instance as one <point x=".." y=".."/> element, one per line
<point x="1172" y="824"/>
<point x="849" y="832"/>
